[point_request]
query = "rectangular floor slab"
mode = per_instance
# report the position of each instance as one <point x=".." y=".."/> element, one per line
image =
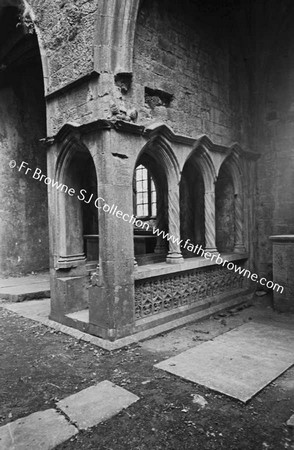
<point x="19" y="289"/>
<point x="26" y="280"/>
<point x="26" y="292"/>
<point x="41" y="430"/>
<point x="239" y="363"/>
<point x="96" y="404"/>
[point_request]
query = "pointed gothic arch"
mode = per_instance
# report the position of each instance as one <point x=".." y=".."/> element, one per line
<point x="230" y="204"/>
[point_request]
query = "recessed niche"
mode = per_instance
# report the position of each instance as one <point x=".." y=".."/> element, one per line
<point x="156" y="97"/>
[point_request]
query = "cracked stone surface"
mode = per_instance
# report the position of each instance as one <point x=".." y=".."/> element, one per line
<point x="96" y="404"/>
<point x="42" y="430"/>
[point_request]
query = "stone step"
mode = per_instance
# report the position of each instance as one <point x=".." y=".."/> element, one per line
<point x="25" y="288"/>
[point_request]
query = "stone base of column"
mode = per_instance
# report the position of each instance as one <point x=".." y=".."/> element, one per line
<point x="71" y="261"/>
<point x="174" y="258"/>
<point x="239" y="248"/>
<point x="160" y="249"/>
<point x="211" y="250"/>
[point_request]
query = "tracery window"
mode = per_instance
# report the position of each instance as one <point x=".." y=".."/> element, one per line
<point x="145" y="191"/>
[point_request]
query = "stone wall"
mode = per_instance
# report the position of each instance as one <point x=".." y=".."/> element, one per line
<point x="23" y="201"/>
<point x="66" y="30"/>
<point x="188" y="69"/>
<point x="192" y="70"/>
<point x="275" y="142"/>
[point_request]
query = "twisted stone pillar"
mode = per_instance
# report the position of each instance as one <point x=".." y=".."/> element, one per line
<point x="209" y="208"/>
<point x="160" y="247"/>
<point x="239" y="221"/>
<point x="187" y="212"/>
<point x="174" y="255"/>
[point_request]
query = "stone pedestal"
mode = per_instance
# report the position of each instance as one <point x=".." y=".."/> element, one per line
<point x="283" y="272"/>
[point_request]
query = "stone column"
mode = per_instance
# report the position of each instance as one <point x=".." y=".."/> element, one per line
<point x="160" y="247"/>
<point x="174" y="254"/>
<point x="209" y="211"/>
<point x="111" y="291"/>
<point x="239" y="222"/>
<point x="187" y="213"/>
<point x="283" y="273"/>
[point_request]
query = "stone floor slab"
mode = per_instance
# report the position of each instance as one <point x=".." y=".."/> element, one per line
<point x="238" y="363"/>
<point x="22" y="293"/>
<point x="39" y="431"/>
<point x="96" y="404"/>
<point x="19" y="289"/>
<point x="25" y="280"/>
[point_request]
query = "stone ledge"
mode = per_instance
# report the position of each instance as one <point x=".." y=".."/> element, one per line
<point x="159" y="269"/>
<point x="282" y="238"/>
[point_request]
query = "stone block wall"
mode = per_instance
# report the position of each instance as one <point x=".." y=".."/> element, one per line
<point x="66" y="30"/>
<point x="187" y="58"/>
<point x="193" y="74"/>
<point x="23" y="201"/>
<point x="275" y="142"/>
<point x="283" y="271"/>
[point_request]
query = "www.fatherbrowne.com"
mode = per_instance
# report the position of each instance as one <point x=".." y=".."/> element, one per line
<point x="197" y="249"/>
<point x="83" y="196"/>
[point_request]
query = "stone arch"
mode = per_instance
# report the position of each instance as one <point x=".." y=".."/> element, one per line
<point x="30" y="16"/>
<point x="23" y="117"/>
<point x="230" y="201"/>
<point x="114" y="35"/>
<point x="192" y="213"/>
<point x="234" y="164"/>
<point x="77" y="210"/>
<point x="29" y="21"/>
<point x="159" y="149"/>
<point x="162" y="152"/>
<point x="199" y="230"/>
<point x="200" y="156"/>
<point x="150" y="244"/>
<point x="157" y="171"/>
